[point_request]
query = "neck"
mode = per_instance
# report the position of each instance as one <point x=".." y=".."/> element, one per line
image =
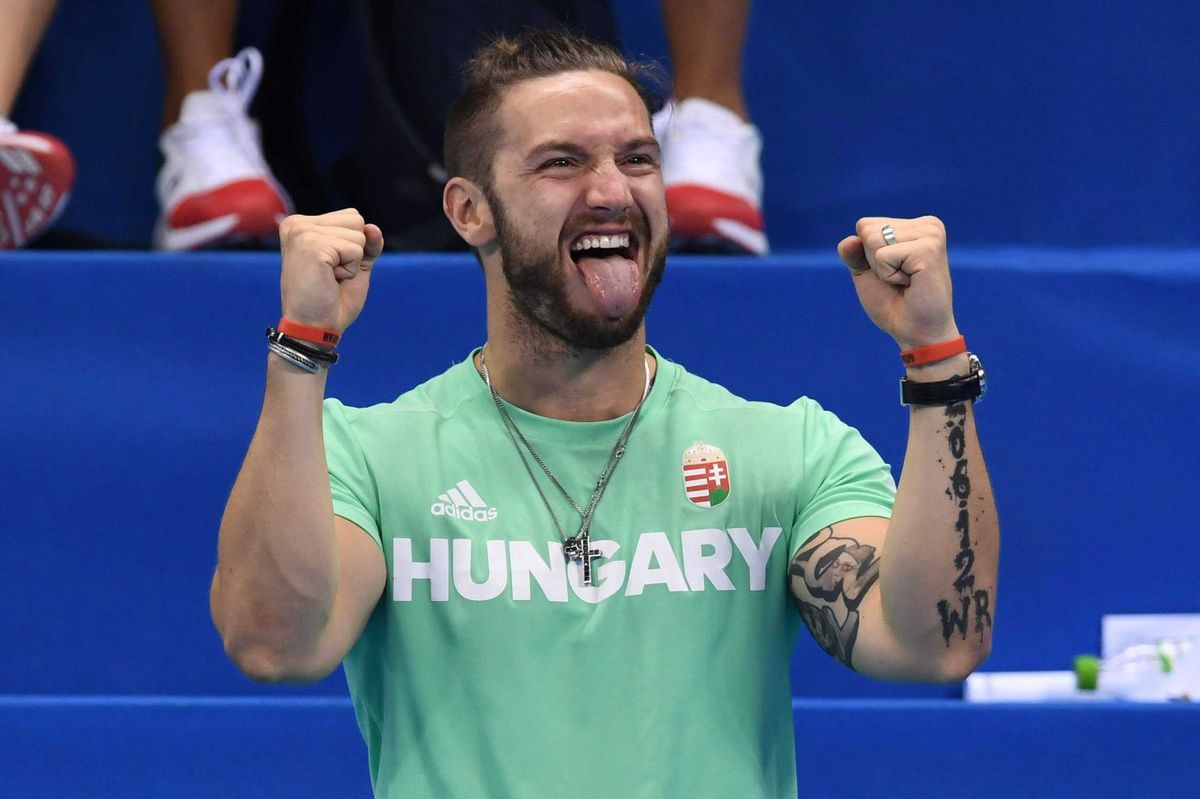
<point x="567" y="384"/>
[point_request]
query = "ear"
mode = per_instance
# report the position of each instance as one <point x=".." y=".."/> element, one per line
<point x="468" y="210"/>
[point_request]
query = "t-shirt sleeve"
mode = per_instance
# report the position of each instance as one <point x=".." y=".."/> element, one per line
<point x="350" y="481"/>
<point x="842" y="476"/>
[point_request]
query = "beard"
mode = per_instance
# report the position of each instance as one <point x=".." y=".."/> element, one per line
<point x="538" y="287"/>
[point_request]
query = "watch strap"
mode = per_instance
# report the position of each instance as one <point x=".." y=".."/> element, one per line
<point x="941" y="392"/>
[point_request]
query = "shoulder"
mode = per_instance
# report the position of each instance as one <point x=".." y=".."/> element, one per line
<point x="441" y="396"/>
<point x="705" y="395"/>
<point x="799" y="431"/>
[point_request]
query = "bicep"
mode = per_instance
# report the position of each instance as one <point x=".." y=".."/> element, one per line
<point x="362" y="576"/>
<point x="834" y="579"/>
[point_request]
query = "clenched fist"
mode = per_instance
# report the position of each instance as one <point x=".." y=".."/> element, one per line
<point x="327" y="262"/>
<point x="904" y="287"/>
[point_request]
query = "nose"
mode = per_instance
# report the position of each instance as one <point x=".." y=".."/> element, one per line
<point x="608" y="189"/>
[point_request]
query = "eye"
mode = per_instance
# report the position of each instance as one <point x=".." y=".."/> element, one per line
<point x="641" y="159"/>
<point x="561" y="162"/>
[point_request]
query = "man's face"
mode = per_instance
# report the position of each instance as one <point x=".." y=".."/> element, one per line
<point x="579" y="207"/>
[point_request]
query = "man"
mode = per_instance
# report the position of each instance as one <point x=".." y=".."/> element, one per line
<point x="604" y="595"/>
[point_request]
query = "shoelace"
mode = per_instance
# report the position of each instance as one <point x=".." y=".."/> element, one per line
<point x="235" y="80"/>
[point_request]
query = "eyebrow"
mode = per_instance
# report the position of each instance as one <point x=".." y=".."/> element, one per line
<point x="644" y="141"/>
<point x="574" y="149"/>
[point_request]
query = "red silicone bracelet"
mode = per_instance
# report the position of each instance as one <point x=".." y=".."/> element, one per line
<point x="919" y="356"/>
<point x="313" y="335"/>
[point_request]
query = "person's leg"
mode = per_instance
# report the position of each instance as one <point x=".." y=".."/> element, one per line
<point x="22" y="23"/>
<point x="193" y="36"/>
<point x="710" y="150"/>
<point x="214" y="188"/>
<point x="706" y="39"/>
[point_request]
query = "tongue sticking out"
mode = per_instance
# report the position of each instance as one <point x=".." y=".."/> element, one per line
<point x="614" y="282"/>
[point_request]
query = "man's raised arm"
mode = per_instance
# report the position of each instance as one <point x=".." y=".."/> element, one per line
<point x="294" y="584"/>
<point x="912" y="598"/>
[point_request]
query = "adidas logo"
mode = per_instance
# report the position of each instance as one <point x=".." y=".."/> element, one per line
<point x="463" y="502"/>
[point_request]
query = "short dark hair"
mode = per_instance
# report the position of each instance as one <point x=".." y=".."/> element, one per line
<point x="471" y="129"/>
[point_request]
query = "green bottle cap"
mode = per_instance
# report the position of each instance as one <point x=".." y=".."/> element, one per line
<point x="1087" y="672"/>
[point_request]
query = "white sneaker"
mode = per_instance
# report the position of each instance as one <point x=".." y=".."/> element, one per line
<point x="36" y="175"/>
<point x="215" y="186"/>
<point x="712" y="176"/>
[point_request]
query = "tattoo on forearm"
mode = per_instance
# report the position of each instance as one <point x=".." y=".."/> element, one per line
<point x="955" y="616"/>
<point x="829" y="578"/>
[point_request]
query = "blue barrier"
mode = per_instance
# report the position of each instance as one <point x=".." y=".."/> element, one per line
<point x="133" y="384"/>
<point x="184" y="748"/>
<point x="178" y="747"/>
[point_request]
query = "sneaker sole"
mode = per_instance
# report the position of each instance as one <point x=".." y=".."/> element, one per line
<point x="749" y="239"/>
<point x="196" y="236"/>
<point x="728" y="237"/>
<point x="230" y="228"/>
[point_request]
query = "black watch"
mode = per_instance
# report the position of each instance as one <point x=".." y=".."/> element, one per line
<point x="971" y="386"/>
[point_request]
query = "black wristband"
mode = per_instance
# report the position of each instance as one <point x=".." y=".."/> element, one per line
<point x="946" y="392"/>
<point x="329" y="357"/>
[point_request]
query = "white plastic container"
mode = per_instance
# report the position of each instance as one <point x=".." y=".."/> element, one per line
<point x="1168" y="670"/>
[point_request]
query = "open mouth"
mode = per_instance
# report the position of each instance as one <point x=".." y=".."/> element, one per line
<point x="607" y="262"/>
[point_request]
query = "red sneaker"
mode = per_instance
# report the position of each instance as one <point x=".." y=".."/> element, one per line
<point x="36" y="175"/>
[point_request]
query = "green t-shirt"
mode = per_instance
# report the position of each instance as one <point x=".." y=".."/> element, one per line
<point x="488" y="670"/>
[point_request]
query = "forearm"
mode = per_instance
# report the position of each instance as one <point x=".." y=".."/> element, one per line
<point x="938" y="571"/>
<point x="277" y="565"/>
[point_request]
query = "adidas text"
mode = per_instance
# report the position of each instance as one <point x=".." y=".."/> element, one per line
<point x="466" y="514"/>
<point x="463" y="502"/>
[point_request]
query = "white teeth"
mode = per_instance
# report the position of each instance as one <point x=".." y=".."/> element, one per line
<point x="602" y="242"/>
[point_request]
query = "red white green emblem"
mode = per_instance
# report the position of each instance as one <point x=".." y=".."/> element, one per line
<point x="705" y="475"/>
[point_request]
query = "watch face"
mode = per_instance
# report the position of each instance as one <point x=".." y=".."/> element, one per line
<point x="977" y="368"/>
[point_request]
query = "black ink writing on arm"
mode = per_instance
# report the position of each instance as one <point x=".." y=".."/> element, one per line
<point x="954" y="614"/>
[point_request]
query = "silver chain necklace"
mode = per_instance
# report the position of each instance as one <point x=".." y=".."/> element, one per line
<point x="577" y="547"/>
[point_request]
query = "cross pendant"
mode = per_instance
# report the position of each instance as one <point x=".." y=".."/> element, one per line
<point x="579" y="548"/>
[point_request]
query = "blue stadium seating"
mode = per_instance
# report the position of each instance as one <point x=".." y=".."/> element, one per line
<point x="135" y="382"/>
